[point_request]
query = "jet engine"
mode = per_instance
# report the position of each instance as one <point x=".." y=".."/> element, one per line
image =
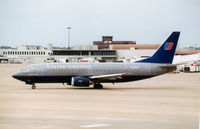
<point x="80" y="81"/>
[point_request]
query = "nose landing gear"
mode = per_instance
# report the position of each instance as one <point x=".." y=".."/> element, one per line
<point x="33" y="86"/>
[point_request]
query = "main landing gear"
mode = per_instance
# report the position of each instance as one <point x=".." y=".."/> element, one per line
<point x="33" y="86"/>
<point x="98" y="86"/>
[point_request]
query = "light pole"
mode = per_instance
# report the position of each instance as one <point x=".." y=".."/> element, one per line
<point x="195" y="45"/>
<point x="68" y="28"/>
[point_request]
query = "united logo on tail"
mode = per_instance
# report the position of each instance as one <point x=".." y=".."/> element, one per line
<point x="168" y="46"/>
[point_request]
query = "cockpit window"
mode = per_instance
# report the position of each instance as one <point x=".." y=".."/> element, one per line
<point x="25" y="69"/>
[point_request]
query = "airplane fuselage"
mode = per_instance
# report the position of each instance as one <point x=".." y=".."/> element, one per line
<point x="63" y="72"/>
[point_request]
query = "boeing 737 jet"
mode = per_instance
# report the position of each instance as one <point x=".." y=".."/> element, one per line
<point x="86" y="74"/>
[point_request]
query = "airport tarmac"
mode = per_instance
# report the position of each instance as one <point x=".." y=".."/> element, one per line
<point x="170" y="101"/>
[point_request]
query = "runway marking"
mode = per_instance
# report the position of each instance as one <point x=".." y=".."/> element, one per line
<point x="95" y="125"/>
<point x="199" y="116"/>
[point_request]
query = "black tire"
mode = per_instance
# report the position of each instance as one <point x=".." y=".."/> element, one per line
<point x="33" y="87"/>
<point x="98" y="86"/>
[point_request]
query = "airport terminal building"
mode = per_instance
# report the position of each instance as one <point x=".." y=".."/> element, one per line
<point x="39" y="54"/>
<point x="25" y="54"/>
<point x="82" y="55"/>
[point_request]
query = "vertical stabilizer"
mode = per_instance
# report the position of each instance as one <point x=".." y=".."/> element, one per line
<point x="165" y="53"/>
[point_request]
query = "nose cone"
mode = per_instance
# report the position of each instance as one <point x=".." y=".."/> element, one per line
<point x="16" y="75"/>
<point x="23" y="74"/>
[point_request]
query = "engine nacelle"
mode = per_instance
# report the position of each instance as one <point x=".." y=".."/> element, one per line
<point x="80" y="81"/>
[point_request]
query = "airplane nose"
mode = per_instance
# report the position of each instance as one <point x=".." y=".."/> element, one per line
<point x="15" y="75"/>
<point x="19" y="76"/>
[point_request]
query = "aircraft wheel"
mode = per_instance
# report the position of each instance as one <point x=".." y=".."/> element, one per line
<point x="33" y="86"/>
<point x="98" y="86"/>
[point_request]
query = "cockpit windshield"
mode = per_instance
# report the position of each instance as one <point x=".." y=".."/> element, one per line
<point x="25" y="69"/>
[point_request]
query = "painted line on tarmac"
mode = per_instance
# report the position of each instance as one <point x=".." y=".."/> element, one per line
<point x="94" y="125"/>
<point x="199" y="116"/>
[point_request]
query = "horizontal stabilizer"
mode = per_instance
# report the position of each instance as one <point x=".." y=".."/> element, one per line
<point x="174" y="65"/>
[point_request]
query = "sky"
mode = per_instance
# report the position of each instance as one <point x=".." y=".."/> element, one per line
<point x="40" y="22"/>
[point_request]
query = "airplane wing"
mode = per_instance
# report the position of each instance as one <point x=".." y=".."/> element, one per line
<point x="107" y="77"/>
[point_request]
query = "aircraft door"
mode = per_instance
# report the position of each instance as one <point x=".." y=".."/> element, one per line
<point x="40" y="69"/>
<point x="89" y="70"/>
<point x="147" y="69"/>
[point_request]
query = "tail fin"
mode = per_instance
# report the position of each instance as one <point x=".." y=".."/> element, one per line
<point x="165" y="53"/>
